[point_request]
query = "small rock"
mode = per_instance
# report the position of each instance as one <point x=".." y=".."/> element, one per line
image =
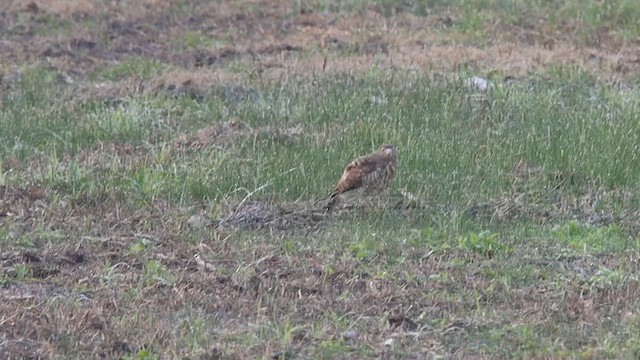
<point x="378" y="100"/>
<point x="479" y="83"/>
<point x="198" y="221"/>
<point x="350" y="336"/>
<point x="203" y="264"/>
<point x="388" y="342"/>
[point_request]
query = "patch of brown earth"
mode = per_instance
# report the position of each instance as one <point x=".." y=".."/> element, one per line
<point x="21" y="203"/>
<point x="222" y="135"/>
<point x="109" y="249"/>
<point x="261" y="215"/>
<point x="273" y="42"/>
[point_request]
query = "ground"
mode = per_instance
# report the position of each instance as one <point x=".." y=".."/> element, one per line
<point x="164" y="166"/>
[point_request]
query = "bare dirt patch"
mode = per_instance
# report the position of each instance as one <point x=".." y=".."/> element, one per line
<point x="218" y="135"/>
<point x="21" y="203"/>
<point x="257" y="215"/>
<point x="273" y="41"/>
<point x="222" y="135"/>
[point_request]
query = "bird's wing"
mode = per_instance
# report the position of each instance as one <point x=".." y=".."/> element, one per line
<point x="357" y="172"/>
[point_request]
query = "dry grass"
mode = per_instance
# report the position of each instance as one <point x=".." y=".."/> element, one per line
<point x="273" y="42"/>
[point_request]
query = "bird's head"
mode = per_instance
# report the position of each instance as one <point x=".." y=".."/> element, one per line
<point x="388" y="150"/>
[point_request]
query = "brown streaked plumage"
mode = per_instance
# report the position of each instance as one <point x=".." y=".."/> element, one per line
<point x="367" y="175"/>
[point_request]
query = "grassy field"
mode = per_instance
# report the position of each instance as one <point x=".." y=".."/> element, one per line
<point x="136" y="135"/>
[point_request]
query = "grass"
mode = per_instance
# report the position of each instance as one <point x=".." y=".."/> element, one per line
<point x="141" y="68"/>
<point x="457" y="149"/>
<point x="510" y="232"/>
<point x="583" y="21"/>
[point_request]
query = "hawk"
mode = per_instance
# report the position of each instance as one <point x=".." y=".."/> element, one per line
<point x="366" y="175"/>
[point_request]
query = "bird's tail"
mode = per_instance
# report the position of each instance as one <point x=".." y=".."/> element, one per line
<point x="333" y="200"/>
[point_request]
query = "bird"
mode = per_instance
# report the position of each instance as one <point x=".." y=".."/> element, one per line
<point x="367" y="175"/>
